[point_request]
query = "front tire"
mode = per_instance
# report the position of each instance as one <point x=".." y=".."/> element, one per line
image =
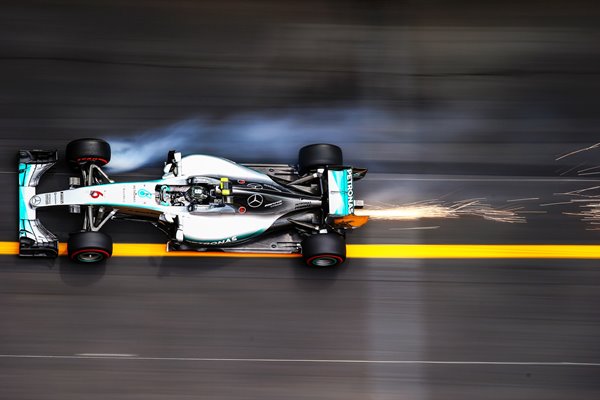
<point x="85" y="151"/>
<point x="324" y="250"/>
<point x="89" y="247"/>
<point x="316" y="156"/>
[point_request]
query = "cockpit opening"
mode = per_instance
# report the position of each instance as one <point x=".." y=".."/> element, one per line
<point x="199" y="193"/>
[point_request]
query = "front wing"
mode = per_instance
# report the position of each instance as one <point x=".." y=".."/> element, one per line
<point x="34" y="239"/>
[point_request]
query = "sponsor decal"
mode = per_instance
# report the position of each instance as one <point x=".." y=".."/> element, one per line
<point x="47" y="198"/>
<point x="255" y="200"/>
<point x="274" y="204"/>
<point x="241" y="181"/>
<point x="302" y="204"/>
<point x="35" y="200"/>
<point x="350" y="192"/>
<point x="62" y="197"/>
<point x="94" y="194"/>
<point x="219" y="242"/>
<point x="144" y="193"/>
<point x="242" y="210"/>
<point x="256" y="186"/>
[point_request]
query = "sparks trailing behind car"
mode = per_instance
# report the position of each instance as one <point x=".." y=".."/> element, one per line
<point x="202" y="203"/>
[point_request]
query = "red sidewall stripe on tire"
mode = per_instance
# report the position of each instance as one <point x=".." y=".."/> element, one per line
<point x="340" y="259"/>
<point x="106" y="254"/>
<point x="104" y="160"/>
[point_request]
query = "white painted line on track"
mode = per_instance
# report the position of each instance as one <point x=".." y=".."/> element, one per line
<point x="472" y="178"/>
<point x="414" y="228"/>
<point x="524" y="199"/>
<point x="113" y="355"/>
<point x="303" y="360"/>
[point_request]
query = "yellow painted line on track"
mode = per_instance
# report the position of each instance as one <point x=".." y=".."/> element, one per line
<point x="149" y="250"/>
<point x="419" y="251"/>
<point x="462" y="251"/>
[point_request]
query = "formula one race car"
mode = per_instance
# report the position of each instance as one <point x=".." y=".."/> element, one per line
<point x="201" y="203"/>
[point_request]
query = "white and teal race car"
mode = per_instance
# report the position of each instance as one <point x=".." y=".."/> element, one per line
<point x="202" y="203"/>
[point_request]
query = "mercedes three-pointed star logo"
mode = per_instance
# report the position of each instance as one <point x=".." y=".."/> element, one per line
<point x="35" y="200"/>
<point x="255" y="200"/>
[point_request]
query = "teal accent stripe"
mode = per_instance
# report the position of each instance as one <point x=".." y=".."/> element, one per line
<point x="341" y="180"/>
<point x="23" y="171"/>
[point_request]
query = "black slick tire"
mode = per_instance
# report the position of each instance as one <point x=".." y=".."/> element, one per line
<point x="84" y="151"/>
<point x="89" y="247"/>
<point x="324" y="250"/>
<point x="318" y="155"/>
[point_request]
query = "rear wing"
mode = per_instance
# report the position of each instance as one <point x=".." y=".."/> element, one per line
<point x="340" y="187"/>
<point x="34" y="239"/>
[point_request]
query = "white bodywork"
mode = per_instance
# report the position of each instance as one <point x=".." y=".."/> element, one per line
<point x="215" y="226"/>
<point x="200" y="164"/>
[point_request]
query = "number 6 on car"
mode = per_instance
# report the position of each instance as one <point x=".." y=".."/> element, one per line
<point x="201" y="203"/>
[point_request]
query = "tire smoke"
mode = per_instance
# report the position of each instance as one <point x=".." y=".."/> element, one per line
<point x="254" y="137"/>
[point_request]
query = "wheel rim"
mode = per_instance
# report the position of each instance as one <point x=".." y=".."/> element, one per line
<point x="90" y="256"/>
<point x="324" y="261"/>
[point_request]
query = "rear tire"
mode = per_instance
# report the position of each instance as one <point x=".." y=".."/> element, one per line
<point x="319" y="155"/>
<point x="89" y="247"/>
<point x="84" y="151"/>
<point x="324" y="250"/>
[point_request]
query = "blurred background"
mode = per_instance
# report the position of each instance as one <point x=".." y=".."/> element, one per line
<point x="409" y="86"/>
<point x="441" y="100"/>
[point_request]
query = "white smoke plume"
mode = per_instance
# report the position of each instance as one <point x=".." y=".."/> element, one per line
<point x="250" y="137"/>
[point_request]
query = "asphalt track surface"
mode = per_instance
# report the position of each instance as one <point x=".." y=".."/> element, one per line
<point x="253" y="328"/>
